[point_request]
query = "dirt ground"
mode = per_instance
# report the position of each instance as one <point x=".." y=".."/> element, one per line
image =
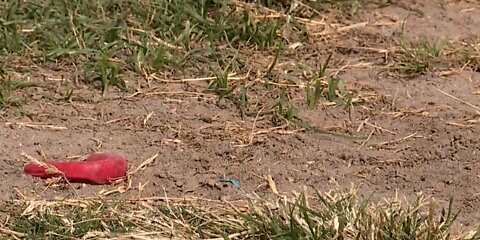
<point x="424" y="129"/>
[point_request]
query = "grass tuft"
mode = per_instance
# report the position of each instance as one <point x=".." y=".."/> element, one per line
<point x="420" y="57"/>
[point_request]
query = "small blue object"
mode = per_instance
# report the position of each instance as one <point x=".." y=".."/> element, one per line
<point x="234" y="182"/>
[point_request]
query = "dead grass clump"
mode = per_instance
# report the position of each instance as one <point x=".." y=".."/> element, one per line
<point x="332" y="215"/>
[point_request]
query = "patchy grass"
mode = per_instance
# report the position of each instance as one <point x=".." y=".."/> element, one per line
<point x="331" y="215"/>
<point x="427" y="55"/>
<point x="107" y="38"/>
<point x="133" y="45"/>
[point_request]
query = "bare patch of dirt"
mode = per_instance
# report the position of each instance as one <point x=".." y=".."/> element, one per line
<point x="424" y="129"/>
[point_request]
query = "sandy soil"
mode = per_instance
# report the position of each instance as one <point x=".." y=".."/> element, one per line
<point x="424" y="129"/>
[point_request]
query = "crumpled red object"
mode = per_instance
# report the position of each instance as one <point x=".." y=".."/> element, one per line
<point x="98" y="168"/>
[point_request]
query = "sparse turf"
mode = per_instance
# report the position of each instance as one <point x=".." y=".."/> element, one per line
<point x="134" y="46"/>
<point x="332" y="215"/>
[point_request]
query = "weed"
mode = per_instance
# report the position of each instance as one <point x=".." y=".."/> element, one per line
<point x="220" y="85"/>
<point x="271" y="66"/>
<point x="335" y="84"/>
<point x="284" y="108"/>
<point x="313" y="95"/>
<point x="419" y="57"/>
<point x="107" y="72"/>
<point x="335" y="87"/>
<point x="243" y="100"/>
<point x="8" y="88"/>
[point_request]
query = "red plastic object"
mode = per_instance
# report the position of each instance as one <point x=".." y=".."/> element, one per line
<point x="98" y="168"/>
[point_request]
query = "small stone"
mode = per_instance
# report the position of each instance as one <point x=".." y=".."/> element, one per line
<point x="191" y="185"/>
<point x="222" y="103"/>
<point x="179" y="183"/>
